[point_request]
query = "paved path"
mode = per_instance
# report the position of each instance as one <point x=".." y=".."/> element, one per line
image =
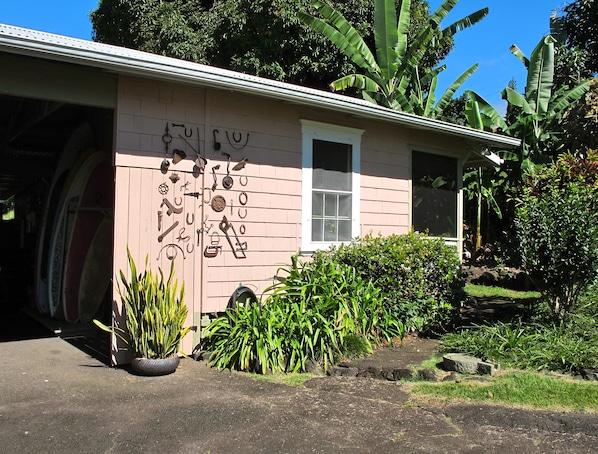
<point x="56" y="399"/>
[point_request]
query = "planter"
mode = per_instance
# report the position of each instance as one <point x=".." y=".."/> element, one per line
<point x="154" y="367"/>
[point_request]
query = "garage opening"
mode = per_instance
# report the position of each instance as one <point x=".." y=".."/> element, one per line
<point x="56" y="201"/>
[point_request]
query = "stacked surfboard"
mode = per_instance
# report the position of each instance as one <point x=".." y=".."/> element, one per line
<point x="74" y="253"/>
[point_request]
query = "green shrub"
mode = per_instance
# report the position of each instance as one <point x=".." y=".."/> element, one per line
<point x="418" y="277"/>
<point x="307" y="316"/>
<point x="556" y="226"/>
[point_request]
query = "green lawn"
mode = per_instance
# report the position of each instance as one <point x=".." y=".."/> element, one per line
<point x="485" y="291"/>
<point x="526" y="389"/>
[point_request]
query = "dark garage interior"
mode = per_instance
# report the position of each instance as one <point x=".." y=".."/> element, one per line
<point x="33" y="133"/>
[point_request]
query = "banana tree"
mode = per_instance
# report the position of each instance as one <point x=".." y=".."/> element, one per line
<point x="393" y="76"/>
<point x="541" y="106"/>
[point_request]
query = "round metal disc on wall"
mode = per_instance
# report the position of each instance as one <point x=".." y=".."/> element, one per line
<point x="218" y="203"/>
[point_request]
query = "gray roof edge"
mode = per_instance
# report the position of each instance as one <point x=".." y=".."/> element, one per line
<point x="129" y="61"/>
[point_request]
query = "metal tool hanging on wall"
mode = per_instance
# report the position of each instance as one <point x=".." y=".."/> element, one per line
<point x="241" y="164"/>
<point x="227" y="181"/>
<point x="215" y="185"/>
<point x="237" y="247"/>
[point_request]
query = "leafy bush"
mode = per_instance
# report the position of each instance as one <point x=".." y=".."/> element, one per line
<point x="556" y="225"/>
<point x="307" y="316"/>
<point x="418" y="277"/>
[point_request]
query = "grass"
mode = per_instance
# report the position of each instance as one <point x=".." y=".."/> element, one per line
<point x="296" y="380"/>
<point x="485" y="291"/>
<point x="522" y="389"/>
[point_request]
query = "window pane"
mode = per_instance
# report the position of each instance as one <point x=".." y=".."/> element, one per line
<point x="344" y="230"/>
<point x="330" y="205"/>
<point x="344" y="206"/>
<point x="317" y="204"/>
<point x="330" y="230"/>
<point x="331" y="165"/>
<point x="317" y="230"/>
<point x="435" y="194"/>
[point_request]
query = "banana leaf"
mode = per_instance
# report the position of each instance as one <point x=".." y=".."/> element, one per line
<point x="514" y="49"/>
<point x="517" y="99"/>
<point x="387" y="35"/>
<point x="355" y="81"/>
<point x="342" y="34"/>
<point x="540" y="76"/>
<point x="450" y="91"/>
<point x="489" y="114"/>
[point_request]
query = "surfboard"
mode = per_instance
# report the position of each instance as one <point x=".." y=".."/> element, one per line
<point x="88" y="249"/>
<point x="96" y="274"/>
<point x="62" y="232"/>
<point x="80" y="139"/>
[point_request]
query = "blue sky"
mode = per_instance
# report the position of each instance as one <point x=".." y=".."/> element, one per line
<point x="521" y="22"/>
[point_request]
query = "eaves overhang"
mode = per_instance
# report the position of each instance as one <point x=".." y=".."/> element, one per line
<point x="120" y="60"/>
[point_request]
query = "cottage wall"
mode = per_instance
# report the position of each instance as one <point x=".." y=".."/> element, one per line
<point x="262" y="229"/>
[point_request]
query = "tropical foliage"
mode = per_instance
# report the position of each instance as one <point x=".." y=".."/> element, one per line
<point x="155" y="312"/>
<point x="311" y="316"/>
<point x="394" y="76"/>
<point x="260" y="37"/>
<point x="540" y="108"/>
<point x="556" y="224"/>
<point x="340" y="304"/>
<point x="418" y="276"/>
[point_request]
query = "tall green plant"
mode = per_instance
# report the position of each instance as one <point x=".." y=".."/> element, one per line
<point x="556" y="224"/>
<point x="307" y="316"/>
<point x="540" y="108"/>
<point x="394" y="76"/>
<point x="154" y="310"/>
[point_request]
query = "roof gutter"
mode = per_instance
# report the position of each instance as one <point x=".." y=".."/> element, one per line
<point x="121" y="60"/>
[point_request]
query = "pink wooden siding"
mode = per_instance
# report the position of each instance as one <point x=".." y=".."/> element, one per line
<point x="268" y="134"/>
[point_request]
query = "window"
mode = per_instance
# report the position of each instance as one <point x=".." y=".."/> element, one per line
<point x="435" y="192"/>
<point x="330" y="205"/>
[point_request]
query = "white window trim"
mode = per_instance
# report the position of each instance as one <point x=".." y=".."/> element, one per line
<point x="333" y="133"/>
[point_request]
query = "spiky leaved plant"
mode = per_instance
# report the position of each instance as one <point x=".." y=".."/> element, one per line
<point x="155" y="312"/>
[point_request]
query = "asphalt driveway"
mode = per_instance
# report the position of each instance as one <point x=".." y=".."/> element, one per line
<point x="55" y="398"/>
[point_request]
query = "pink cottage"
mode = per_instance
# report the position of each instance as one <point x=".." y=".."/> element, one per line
<point x="225" y="174"/>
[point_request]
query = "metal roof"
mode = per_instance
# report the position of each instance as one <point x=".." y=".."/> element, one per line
<point x="121" y="60"/>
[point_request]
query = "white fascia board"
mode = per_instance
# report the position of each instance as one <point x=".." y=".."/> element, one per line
<point x="133" y="62"/>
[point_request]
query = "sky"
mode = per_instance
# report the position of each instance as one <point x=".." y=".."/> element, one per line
<point x="521" y="22"/>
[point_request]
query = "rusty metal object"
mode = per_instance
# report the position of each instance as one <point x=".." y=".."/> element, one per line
<point x="171" y="207"/>
<point x="218" y="203"/>
<point x="163" y="189"/>
<point x="215" y="185"/>
<point x="211" y="251"/>
<point x="237" y="247"/>
<point x="241" y="164"/>
<point x="167" y="231"/>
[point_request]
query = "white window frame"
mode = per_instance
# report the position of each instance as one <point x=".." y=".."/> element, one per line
<point x="456" y="240"/>
<point x="332" y="133"/>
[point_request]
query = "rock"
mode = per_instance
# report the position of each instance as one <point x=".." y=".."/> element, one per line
<point x="312" y="367"/>
<point x="466" y="364"/>
<point x="402" y="374"/>
<point x="371" y="372"/>
<point x="428" y="374"/>
<point x="342" y="371"/>
<point x="453" y="376"/>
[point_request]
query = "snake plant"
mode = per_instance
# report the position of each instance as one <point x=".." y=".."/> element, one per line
<point x="154" y="310"/>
